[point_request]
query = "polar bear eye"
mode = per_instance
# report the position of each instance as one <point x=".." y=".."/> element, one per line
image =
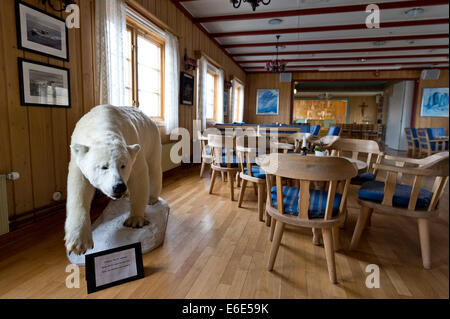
<point x="104" y="167"/>
<point x="122" y="167"/>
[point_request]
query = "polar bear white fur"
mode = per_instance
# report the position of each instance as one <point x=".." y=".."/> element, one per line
<point x="118" y="151"/>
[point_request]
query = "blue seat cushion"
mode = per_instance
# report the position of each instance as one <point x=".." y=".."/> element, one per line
<point x="334" y="131"/>
<point x="363" y="177"/>
<point x="256" y="172"/>
<point x="224" y="151"/>
<point x="317" y="202"/>
<point x="233" y="161"/>
<point x="374" y="191"/>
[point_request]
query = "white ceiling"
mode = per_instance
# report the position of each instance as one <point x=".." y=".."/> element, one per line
<point x="247" y="49"/>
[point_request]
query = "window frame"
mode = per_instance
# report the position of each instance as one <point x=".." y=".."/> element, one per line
<point x="138" y="29"/>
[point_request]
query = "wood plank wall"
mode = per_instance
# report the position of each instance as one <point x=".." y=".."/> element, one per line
<point x="432" y="121"/>
<point x="34" y="140"/>
<point x="192" y="39"/>
<point x="272" y="81"/>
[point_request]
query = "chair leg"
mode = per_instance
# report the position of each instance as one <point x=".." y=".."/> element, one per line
<point x="369" y="219"/>
<point x="360" y="225"/>
<point x="342" y="226"/>
<point x="261" y="198"/>
<point x="272" y="228"/>
<point x="275" y="244"/>
<point x="329" y="253"/>
<point x="335" y="231"/>
<point x="213" y="179"/>
<point x="424" y="234"/>
<point x="202" y="169"/>
<point x="316" y="236"/>
<point x="231" y="184"/>
<point x="242" y="192"/>
<point x="223" y="176"/>
<point x="238" y="180"/>
<point x="255" y="188"/>
<point x="268" y="219"/>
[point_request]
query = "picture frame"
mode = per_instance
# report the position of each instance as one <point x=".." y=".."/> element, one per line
<point x="42" y="84"/>
<point x="435" y="102"/>
<point x="40" y="32"/>
<point x="267" y="101"/>
<point x="112" y="267"/>
<point x="186" y="89"/>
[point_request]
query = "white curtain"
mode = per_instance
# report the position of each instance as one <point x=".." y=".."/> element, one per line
<point x="201" y="92"/>
<point x="110" y="32"/>
<point x="235" y="115"/>
<point x="172" y="82"/>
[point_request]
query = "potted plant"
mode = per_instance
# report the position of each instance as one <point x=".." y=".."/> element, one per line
<point x="320" y="150"/>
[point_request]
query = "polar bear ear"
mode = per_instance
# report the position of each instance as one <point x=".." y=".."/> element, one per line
<point x="134" y="149"/>
<point x="79" y="149"/>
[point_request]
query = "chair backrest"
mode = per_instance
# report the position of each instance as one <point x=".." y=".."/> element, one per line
<point x="315" y="129"/>
<point x="334" y="131"/>
<point x="424" y="140"/>
<point x="309" y="169"/>
<point x="409" y="138"/>
<point x="436" y="166"/>
<point x="218" y="143"/>
<point x="246" y="153"/>
<point x="356" y="147"/>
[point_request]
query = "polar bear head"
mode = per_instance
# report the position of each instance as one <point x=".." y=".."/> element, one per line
<point x="106" y="166"/>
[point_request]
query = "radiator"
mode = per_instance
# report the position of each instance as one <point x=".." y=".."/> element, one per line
<point x="4" y="222"/>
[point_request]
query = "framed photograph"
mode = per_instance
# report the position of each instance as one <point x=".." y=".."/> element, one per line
<point x="434" y="102"/>
<point x="186" y="89"/>
<point x="113" y="267"/>
<point x="267" y="101"/>
<point x="40" y="32"/>
<point x="43" y="84"/>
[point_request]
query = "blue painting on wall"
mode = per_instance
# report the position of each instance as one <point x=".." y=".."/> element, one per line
<point x="267" y="102"/>
<point x="434" y="102"/>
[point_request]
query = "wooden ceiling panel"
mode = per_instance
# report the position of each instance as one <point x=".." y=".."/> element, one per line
<point x="327" y="32"/>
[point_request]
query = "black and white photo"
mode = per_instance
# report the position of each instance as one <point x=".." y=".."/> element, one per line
<point x="39" y="32"/>
<point x="43" y="85"/>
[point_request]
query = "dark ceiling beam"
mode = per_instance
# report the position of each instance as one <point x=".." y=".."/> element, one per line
<point x="326" y="10"/>
<point x="331" y="28"/>
<point x="348" y="40"/>
<point x="363" y="50"/>
<point x="352" y="65"/>
<point x="355" y="58"/>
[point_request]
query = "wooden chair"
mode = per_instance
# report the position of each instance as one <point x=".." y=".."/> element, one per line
<point x="207" y="157"/>
<point x="429" y="145"/>
<point x="356" y="147"/>
<point x="392" y="198"/>
<point x="303" y="207"/>
<point x="224" y="161"/>
<point x="251" y="173"/>
<point x="327" y="141"/>
<point x="413" y="142"/>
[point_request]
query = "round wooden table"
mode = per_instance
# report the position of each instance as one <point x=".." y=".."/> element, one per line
<point x="361" y="166"/>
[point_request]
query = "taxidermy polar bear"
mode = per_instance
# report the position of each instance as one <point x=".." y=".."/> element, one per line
<point x="118" y="151"/>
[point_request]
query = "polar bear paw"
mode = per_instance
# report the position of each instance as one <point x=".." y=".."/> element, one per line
<point x="136" y="222"/>
<point x="79" y="241"/>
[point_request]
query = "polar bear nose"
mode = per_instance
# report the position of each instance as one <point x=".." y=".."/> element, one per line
<point x="120" y="188"/>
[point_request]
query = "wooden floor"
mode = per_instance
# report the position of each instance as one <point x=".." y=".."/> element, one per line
<point x="213" y="249"/>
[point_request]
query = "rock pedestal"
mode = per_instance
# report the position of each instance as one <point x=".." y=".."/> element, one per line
<point x="109" y="232"/>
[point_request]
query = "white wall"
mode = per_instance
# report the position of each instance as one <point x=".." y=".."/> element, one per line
<point x="399" y="109"/>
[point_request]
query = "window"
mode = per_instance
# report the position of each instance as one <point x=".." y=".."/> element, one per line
<point x="211" y="95"/>
<point x="144" y="61"/>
